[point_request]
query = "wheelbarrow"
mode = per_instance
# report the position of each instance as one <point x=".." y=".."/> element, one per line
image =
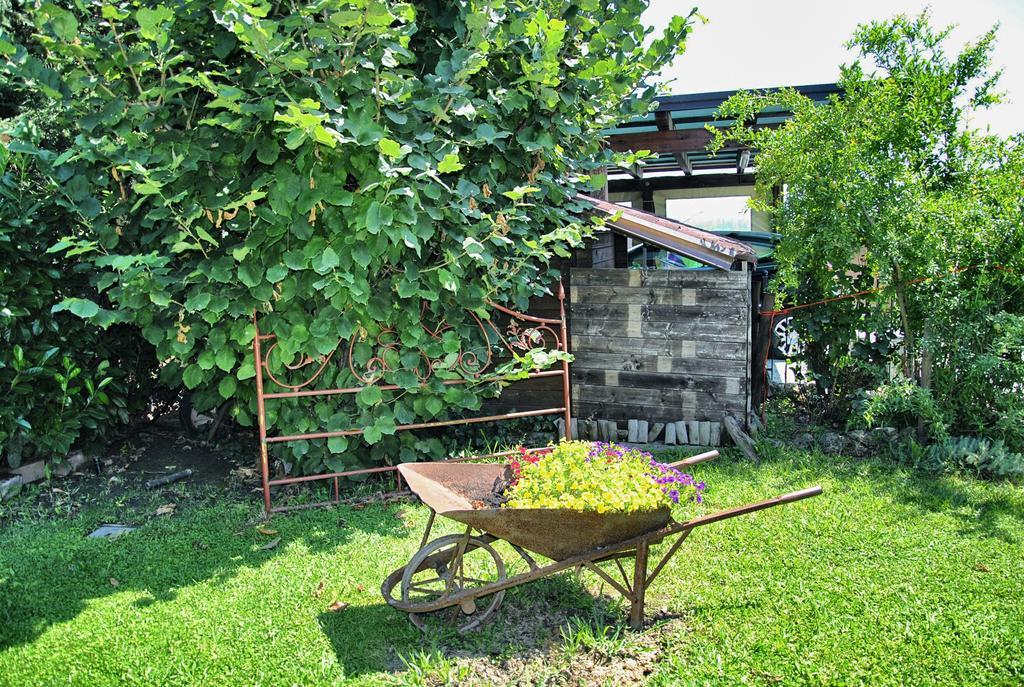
<point x="459" y="580"/>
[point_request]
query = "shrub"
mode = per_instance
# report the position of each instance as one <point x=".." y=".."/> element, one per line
<point x="600" y="477"/>
<point x="979" y="456"/>
<point x="64" y="381"/>
<point x="338" y="167"/>
<point x="901" y="404"/>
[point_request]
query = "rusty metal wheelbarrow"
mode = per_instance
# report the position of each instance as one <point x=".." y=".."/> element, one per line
<point x="460" y="579"/>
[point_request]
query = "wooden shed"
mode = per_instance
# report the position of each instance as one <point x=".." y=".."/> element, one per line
<point x="656" y="346"/>
<point x="660" y="345"/>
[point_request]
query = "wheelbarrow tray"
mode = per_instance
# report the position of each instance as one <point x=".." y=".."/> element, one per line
<point x="454" y="490"/>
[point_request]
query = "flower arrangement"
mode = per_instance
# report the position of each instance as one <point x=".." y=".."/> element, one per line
<point x="597" y="476"/>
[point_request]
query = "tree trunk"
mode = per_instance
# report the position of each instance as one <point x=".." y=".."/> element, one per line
<point x="909" y="340"/>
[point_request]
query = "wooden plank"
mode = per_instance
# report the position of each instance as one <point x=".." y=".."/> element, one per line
<point x="653" y="371"/>
<point x="731" y="314"/>
<point x="674" y="182"/>
<point x="671" y="398"/>
<point x="705" y="350"/>
<point x="669" y="141"/>
<point x="660" y="295"/>
<point x="680" y="329"/>
<point x="718" y="279"/>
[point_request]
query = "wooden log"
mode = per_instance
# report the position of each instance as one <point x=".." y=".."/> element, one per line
<point x="705" y="432"/>
<point x="633" y="429"/>
<point x="754" y="423"/>
<point x="693" y="432"/>
<point x="682" y="436"/>
<point x="655" y="432"/>
<point x="716" y="434"/>
<point x="574" y="429"/>
<point x="739" y="437"/>
<point x="641" y="431"/>
<point x="591" y="430"/>
<point x="559" y="428"/>
<point x="670" y="433"/>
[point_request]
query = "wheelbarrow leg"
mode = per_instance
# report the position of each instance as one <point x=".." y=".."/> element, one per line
<point x="636" y="609"/>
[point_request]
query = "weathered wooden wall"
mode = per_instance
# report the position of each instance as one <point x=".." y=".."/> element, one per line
<point x="661" y="345"/>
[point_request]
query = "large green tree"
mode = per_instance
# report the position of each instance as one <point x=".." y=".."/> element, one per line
<point x="337" y="167"/>
<point x="890" y="183"/>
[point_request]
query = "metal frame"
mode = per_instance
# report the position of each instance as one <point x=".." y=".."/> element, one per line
<point x="523" y="332"/>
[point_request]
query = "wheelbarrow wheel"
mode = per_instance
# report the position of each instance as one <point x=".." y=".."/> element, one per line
<point x="456" y="564"/>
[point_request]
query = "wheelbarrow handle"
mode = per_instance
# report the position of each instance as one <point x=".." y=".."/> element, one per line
<point x="751" y="507"/>
<point x="693" y="460"/>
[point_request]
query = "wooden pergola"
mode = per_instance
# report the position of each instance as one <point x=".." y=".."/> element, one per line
<point x="676" y="132"/>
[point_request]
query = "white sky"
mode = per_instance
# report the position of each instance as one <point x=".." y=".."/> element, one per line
<point x="755" y="44"/>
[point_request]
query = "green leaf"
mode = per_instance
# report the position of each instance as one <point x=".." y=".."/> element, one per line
<point x="227" y="387"/>
<point x="198" y="301"/>
<point x="225" y="359"/>
<point x="192" y="377"/>
<point x="206" y="360"/>
<point x="63" y="22"/>
<point x="369" y="396"/>
<point x="267" y="151"/>
<point x="372" y="434"/>
<point x="83" y="307"/>
<point x="434" y="405"/>
<point x="392" y="149"/>
<point x="326" y="261"/>
<point x="378" y="217"/>
<point x="276" y="273"/>
<point x="250" y="274"/>
<point x="247" y="370"/>
<point x="450" y="163"/>
<point x="150" y="20"/>
<point x="361" y="255"/>
<point x="337" y="444"/>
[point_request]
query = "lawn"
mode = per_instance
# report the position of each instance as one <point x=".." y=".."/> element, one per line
<point x="890" y="578"/>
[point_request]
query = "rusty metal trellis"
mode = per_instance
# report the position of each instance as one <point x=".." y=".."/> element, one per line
<point x="523" y="332"/>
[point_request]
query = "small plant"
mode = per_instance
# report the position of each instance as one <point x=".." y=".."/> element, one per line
<point x="973" y="454"/>
<point x="432" y="668"/>
<point x="581" y="635"/>
<point x="902" y="403"/>
<point x="596" y="476"/>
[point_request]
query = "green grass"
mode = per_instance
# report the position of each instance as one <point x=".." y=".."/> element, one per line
<point x="891" y="578"/>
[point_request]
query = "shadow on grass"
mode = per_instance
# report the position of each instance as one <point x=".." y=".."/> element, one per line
<point x="378" y="638"/>
<point x="50" y="570"/>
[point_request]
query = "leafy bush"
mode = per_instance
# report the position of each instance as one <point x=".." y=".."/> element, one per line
<point x="64" y="382"/>
<point x="337" y="167"/>
<point x="892" y="194"/>
<point x="979" y="456"/>
<point x="605" y="478"/>
<point x="901" y="404"/>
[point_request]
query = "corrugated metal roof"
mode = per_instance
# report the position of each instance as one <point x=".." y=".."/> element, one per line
<point x="688" y="241"/>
